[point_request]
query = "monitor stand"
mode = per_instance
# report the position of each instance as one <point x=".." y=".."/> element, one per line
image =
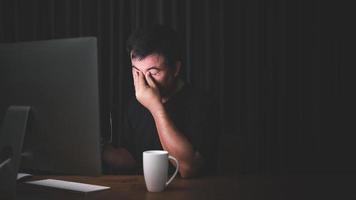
<point x="11" y="140"/>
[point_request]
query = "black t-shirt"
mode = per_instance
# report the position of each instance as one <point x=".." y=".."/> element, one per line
<point x="193" y="113"/>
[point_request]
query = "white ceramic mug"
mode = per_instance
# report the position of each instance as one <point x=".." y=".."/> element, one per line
<point x="155" y="169"/>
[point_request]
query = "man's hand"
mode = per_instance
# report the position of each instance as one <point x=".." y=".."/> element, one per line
<point x="146" y="90"/>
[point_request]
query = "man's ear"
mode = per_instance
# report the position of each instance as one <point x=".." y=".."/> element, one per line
<point x="177" y="68"/>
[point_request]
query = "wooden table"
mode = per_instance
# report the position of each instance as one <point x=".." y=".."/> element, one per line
<point x="305" y="186"/>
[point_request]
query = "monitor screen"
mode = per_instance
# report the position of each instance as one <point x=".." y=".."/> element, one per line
<point x="58" y="79"/>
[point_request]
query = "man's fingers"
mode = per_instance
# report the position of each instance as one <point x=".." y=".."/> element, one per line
<point x="141" y="79"/>
<point x="134" y="75"/>
<point x="150" y="81"/>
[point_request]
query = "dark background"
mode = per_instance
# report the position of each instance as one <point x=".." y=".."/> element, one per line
<point x="278" y="68"/>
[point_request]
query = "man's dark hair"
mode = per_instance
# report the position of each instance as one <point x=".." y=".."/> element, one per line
<point x="158" y="39"/>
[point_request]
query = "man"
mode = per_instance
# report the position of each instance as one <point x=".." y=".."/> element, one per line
<point x="166" y="113"/>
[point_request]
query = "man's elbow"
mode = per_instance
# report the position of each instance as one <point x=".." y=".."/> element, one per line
<point x="193" y="168"/>
<point x="188" y="171"/>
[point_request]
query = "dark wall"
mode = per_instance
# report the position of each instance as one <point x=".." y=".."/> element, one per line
<point x="277" y="68"/>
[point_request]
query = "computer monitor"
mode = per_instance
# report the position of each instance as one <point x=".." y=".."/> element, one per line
<point x="58" y="81"/>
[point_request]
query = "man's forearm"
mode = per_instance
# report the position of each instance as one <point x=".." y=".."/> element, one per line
<point x="176" y="143"/>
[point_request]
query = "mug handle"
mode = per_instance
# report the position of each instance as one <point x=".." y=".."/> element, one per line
<point x="175" y="173"/>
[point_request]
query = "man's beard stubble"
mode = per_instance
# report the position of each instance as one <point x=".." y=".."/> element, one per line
<point x="167" y="91"/>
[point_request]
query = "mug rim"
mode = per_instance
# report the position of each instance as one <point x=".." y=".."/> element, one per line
<point x="155" y="152"/>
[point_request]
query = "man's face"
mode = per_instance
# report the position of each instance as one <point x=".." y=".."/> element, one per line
<point x="163" y="76"/>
